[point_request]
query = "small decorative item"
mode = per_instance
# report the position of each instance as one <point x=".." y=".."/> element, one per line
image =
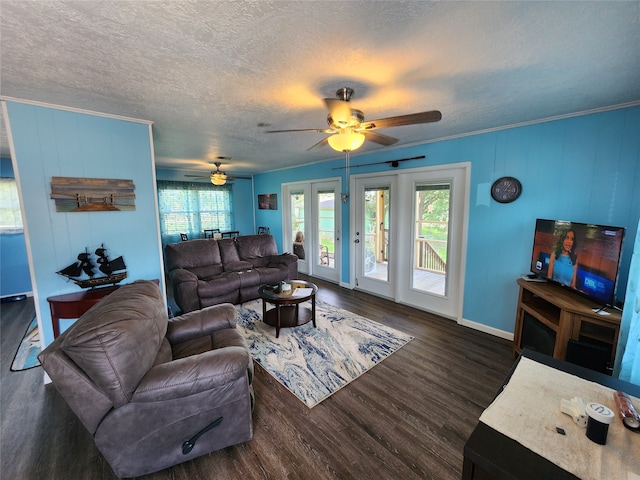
<point x="82" y="272"/>
<point x="599" y="419"/>
<point x="506" y="189"/>
<point x="268" y="201"/>
<point x="92" y="194"/>
<point x="285" y="290"/>
<point x="281" y="289"/>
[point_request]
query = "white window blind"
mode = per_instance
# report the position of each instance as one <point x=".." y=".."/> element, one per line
<point x="10" y="216"/>
<point x="191" y="208"/>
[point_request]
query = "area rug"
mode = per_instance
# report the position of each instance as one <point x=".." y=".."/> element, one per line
<point x="27" y="355"/>
<point x="314" y="363"/>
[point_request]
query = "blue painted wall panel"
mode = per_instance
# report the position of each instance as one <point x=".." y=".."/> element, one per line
<point x="50" y="142"/>
<point x="14" y="265"/>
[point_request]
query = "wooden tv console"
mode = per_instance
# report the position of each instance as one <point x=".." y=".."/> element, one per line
<point x="566" y="316"/>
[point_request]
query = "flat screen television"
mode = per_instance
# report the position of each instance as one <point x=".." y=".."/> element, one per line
<point x="580" y="256"/>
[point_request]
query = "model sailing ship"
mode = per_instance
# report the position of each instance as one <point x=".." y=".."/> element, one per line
<point x="113" y="270"/>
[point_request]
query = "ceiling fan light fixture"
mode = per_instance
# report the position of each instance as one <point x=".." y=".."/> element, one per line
<point x="346" y="142"/>
<point x="218" y="178"/>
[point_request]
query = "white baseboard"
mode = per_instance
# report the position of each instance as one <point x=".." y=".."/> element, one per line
<point x="466" y="323"/>
<point x="28" y="294"/>
<point x="487" y="329"/>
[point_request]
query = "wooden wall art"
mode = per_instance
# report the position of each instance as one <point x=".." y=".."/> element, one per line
<point x="92" y="194"/>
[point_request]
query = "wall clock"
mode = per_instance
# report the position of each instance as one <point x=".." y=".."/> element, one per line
<point x="506" y="189"/>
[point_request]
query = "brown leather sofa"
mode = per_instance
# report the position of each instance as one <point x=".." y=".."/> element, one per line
<point x="208" y="272"/>
<point x="154" y="391"/>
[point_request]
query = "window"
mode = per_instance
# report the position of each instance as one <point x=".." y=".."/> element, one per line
<point x="10" y="216"/>
<point x="191" y="208"/>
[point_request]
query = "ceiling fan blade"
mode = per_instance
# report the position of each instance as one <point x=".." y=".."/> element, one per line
<point x="411" y="119"/>
<point x="198" y="176"/>
<point x="320" y="144"/>
<point x="379" y="138"/>
<point x="315" y="130"/>
<point x="236" y="177"/>
<point x="339" y="110"/>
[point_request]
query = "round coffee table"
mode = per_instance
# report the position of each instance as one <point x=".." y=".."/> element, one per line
<point x="287" y="311"/>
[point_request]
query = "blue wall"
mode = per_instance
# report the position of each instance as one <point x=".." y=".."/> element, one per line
<point x="49" y="142"/>
<point x="14" y="274"/>
<point x="628" y="356"/>
<point x="582" y="169"/>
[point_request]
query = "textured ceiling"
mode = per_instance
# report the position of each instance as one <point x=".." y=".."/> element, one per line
<point x="214" y="75"/>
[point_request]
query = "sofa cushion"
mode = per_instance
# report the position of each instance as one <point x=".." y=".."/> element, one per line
<point x="272" y="275"/>
<point x="193" y="254"/>
<point x="228" y="250"/>
<point x="219" y="286"/>
<point x="207" y="271"/>
<point x="259" y="262"/>
<point x="252" y="247"/>
<point x="117" y="341"/>
<point x="239" y="266"/>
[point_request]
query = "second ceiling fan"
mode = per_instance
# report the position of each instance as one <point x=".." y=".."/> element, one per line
<point x="219" y="177"/>
<point x="348" y="130"/>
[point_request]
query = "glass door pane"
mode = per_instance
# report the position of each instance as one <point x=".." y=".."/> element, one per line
<point x="296" y="208"/>
<point x="326" y="228"/>
<point x="376" y="233"/>
<point x="431" y="243"/>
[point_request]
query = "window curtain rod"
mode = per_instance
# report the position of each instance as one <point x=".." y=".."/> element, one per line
<point x="391" y="163"/>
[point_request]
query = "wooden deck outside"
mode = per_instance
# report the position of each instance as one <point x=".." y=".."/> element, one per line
<point x="422" y="279"/>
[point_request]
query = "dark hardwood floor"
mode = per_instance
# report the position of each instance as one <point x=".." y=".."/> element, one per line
<point x="407" y="418"/>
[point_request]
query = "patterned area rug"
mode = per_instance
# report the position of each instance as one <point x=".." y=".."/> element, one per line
<point x="314" y="363"/>
<point x="29" y="349"/>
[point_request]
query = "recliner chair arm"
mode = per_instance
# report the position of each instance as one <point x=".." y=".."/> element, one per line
<point x="199" y="323"/>
<point x="185" y="289"/>
<point x="283" y="259"/>
<point x="191" y="375"/>
<point x="179" y="275"/>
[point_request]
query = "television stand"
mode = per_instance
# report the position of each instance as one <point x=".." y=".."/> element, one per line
<point x="532" y="277"/>
<point x="553" y="320"/>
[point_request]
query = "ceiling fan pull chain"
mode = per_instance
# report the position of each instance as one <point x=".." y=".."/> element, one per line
<point x="345" y="196"/>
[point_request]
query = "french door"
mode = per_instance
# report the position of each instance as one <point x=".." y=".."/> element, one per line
<point x="312" y="213"/>
<point x="374" y="219"/>
<point x="409" y="236"/>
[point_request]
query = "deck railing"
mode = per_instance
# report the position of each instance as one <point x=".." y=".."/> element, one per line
<point x="427" y="258"/>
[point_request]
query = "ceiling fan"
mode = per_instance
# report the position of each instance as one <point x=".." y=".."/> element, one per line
<point x="348" y="130"/>
<point x="218" y="177"/>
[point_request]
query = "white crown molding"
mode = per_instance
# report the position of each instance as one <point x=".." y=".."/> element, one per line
<point x="518" y="125"/>
<point x="75" y="110"/>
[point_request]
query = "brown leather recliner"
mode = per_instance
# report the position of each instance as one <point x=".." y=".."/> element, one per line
<point x="154" y="391"/>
